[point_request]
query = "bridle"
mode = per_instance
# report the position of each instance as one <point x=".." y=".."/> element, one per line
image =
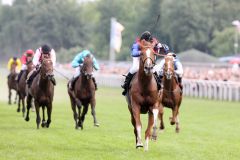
<point x="84" y="69"/>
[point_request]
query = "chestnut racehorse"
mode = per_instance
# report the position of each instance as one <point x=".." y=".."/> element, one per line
<point x="170" y="95"/>
<point x="142" y="96"/>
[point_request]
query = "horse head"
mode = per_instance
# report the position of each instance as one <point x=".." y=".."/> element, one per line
<point x="169" y="66"/>
<point x="147" y="57"/>
<point x="46" y="70"/>
<point x="13" y="67"/>
<point x="87" y="67"/>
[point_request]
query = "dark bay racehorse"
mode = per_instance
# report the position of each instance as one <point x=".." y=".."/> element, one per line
<point x="22" y="87"/>
<point x="83" y="93"/>
<point x="12" y="83"/>
<point x="142" y="96"/>
<point x="42" y="90"/>
<point x="170" y="95"/>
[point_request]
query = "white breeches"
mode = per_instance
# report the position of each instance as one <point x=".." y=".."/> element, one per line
<point x="179" y="71"/>
<point x="135" y="65"/>
<point x="24" y="67"/>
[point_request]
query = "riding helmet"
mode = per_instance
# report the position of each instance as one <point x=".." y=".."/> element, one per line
<point x="146" y="36"/>
<point x="46" y="49"/>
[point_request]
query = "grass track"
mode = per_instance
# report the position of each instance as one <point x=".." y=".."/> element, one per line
<point x="209" y="130"/>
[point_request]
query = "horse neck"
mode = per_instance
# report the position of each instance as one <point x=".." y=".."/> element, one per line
<point x="44" y="83"/>
<point x="169" y="85"/>
<point x="84" y="80"/>
<point x="143" y="78"/>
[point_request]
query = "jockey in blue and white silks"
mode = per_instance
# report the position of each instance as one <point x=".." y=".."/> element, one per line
<point x="135" y="53"/>
<point x="178" y="68"/>
<point x="77" y="63"/>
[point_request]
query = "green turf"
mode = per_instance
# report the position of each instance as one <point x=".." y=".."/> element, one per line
<point x="209" y="130"/>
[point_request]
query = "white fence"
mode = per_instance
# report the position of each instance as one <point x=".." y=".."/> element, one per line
<point x="217" y="90"/>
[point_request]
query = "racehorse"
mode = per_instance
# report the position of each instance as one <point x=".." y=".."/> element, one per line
<point x="42" y="90"/>
<point x="12" y="83"/>
<point x="142" y="96"/>
<point x="171" y="94"/>
<point x="83" y="93"/>
<point x="22" y="87"/>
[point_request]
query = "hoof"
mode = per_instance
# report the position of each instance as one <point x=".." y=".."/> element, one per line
<point x="27" y="119"/>
<point x="172" y="122"/>
<point x="9" y="103"/>
<point x="96" y="124"/>
<point x="76" y="127"/>
<point x="18" y="110"/>
<point x="139" y="145"/>
<point x="43" y="124"/>
<point x="47" y="125"/>
<point x="177" y="130"/>
<point x="154" y="138"/>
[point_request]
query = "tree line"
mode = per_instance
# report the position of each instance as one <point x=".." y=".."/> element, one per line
<point x="70" y="26"/>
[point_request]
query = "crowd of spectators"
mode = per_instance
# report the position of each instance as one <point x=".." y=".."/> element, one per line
<point x="230" y="73"/>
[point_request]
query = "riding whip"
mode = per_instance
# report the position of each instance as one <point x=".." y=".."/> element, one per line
<point x="62" y="74"/>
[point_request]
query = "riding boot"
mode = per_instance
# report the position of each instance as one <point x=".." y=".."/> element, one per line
<point x="53" y="80"/>
<point x="158" y="79"/>
<point x="72" y="82"/>
<point x="19" y="75"/>
<point x="95" y="83"/>
<point x="31" y="77"/>
<point x="126" y="83"/>
<point x="180" y="83"/>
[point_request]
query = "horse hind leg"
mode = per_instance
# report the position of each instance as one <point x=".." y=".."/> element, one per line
<point x="79" y="122"/>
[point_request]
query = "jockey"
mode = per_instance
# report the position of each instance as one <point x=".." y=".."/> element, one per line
<point x="135" y="52"/>
<point x="14" y="60"/>
<point x="77" y="63"/>
<point x="26" y="57"/>
<point x="43" y="51"/>
<point x="177" y="67"/>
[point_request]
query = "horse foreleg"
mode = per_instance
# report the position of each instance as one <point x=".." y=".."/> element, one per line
<point x="79" y="124"/>
<point x="29" y="104"/>
<point x="85" y="110"/>
<point x="15" y="101"/>
<point x="160" y="116"/>
<point x="138" y="125"/>
<point x="93" y="104"/>
<point x="43" y="119"/>
<point x="49" y="113"/>
<point x="75" y="116"/>
<point x="154" y="123"/>
<point x="23" y="105"/>
<point x="38" y="118"/>
<point x="19" y="104"/>
<point x="148" y="131"/>
<point x="177" y="124"/>
<point x="9" y="96"/>
<point x="174" y="115"/>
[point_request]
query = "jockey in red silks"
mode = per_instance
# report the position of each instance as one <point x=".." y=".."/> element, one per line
<point x="26" y="57"/>
<point x="135" y="52"/>
<point x="43" y="51"/>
